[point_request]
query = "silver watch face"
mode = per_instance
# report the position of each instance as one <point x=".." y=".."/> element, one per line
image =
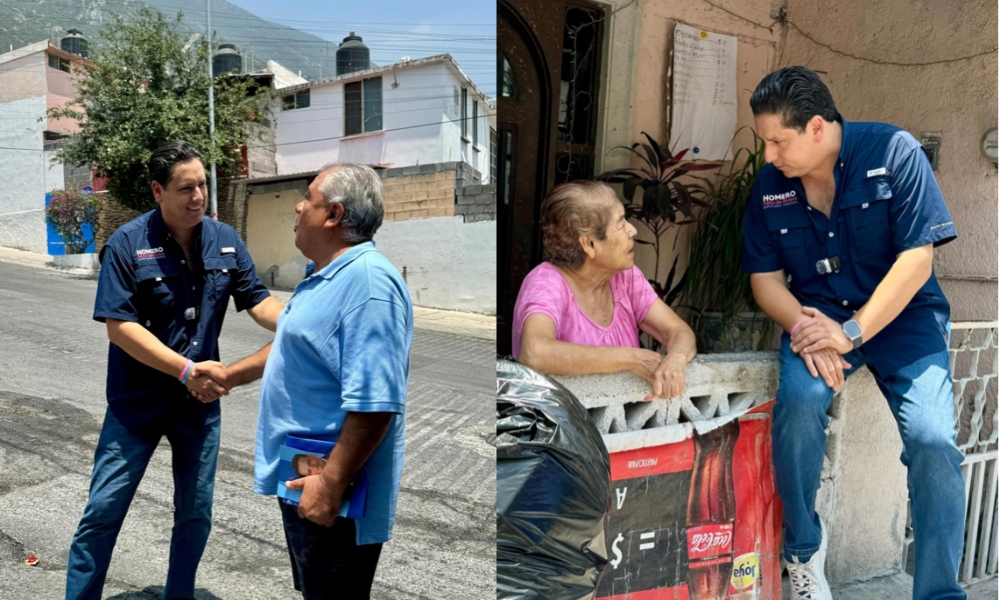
<point x="852" y="330"/>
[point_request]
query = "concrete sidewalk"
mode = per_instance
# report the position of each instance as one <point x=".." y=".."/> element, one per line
<point x="893" y="587"/>
<point x="430" y="319"/>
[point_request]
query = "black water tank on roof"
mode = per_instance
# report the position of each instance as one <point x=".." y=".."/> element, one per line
<point x="226" y="60"/>
<point x="75" y="42"/>
<point x="352" y="55"/>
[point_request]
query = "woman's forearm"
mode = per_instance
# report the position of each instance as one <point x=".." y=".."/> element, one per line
<point x="564" y="358"/>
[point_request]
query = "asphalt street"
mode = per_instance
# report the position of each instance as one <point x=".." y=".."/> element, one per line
<point x="53" y="360"/>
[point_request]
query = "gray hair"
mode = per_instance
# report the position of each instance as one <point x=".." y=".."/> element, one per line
<point x="359" y="190"/>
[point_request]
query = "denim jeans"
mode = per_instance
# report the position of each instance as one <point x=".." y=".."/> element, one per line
<point x="920" y="398"/>
<point x="327" y="562"/>
<point x="119" y="464"/>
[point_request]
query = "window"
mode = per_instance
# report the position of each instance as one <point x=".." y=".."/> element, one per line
<point x="475" y="123"/>
<point x="57" y="62"/>
<point x="465" y="114"/>
<point x="363" y="106"/>
<point x="508" y="83"/>
<point x="297" y="100"/>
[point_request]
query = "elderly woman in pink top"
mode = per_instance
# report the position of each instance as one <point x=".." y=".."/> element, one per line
<point x="581" y="310"/>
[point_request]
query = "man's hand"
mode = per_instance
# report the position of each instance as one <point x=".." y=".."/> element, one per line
<point x="321" y="499"/>
<point x="208" y="381"/>
<point x="829" y="364"/>
<point x="818" y="332"/>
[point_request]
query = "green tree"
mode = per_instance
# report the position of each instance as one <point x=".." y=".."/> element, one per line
<point x="150" y="86"/>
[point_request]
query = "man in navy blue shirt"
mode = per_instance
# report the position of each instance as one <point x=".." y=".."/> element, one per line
<point x="839" y="239"/>
<point x="165" y="284"/>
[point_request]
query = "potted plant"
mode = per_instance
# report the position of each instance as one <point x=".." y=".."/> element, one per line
<point x="666" y="202"/>
<point x="725" y="316"/>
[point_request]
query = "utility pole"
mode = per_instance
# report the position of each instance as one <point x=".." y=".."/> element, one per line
<point x="211" y="111"/>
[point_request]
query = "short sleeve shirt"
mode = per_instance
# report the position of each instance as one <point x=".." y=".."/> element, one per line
<point x="545" y="291"/>
<point x="886" y="202"/>
<point x="342" y="345"/>
<point x="145" y="279"/>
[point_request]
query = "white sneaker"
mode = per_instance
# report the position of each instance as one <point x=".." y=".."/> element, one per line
<point x="807" y="578"/>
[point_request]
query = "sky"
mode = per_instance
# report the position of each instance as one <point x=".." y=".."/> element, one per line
<point x="392" y="29"/>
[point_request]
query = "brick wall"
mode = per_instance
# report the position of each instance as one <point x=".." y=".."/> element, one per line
<point x="476" y="203"/>
<point x="112" y="216"/>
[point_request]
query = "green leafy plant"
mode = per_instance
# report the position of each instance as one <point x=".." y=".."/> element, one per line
<point x="716" y="282"/>
<point x="148" y="86"/>
<point x="68" y="211"/>
<point x="667" y="201"/>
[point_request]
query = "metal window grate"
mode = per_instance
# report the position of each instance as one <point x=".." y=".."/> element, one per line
<point x="973" y="353"/>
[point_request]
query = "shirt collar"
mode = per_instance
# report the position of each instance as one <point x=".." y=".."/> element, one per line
<point x="345" y="259"/>
<point x="159" y="228"/>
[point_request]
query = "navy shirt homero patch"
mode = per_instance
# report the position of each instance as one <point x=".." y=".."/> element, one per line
<point x="145" y="279"/>
<point x="886" y="202"/>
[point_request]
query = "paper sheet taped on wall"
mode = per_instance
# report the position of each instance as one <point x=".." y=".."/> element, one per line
<point x="703" y="99"/>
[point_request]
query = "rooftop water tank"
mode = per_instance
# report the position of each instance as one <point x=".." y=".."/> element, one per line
<point x="352" y="55"/>
<point x="227" y="60"/>
<point x="75" y="42"/>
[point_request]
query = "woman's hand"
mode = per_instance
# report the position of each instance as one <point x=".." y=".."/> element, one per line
<point x="665" y="374"/>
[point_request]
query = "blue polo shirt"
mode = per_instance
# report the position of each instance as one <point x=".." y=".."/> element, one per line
<point x="343" y="345"/>
<point x="886" y="201"/>
<point x="145" y="279"/>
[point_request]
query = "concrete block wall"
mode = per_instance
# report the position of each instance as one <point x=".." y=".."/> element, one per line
<point x="419" y="196"/>
<point x="476" y="203"/>
<point x="425" y="191"/>
<point x="862" y="495"/>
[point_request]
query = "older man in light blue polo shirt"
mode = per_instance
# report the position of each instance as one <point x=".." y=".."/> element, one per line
<point x="337" y="371"/>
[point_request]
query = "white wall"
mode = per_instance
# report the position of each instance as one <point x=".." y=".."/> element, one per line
<point x="415" y="125"/>
<point x="455" y="148"/>
<point x="446" y="263"/>
<point x="22" y="196"/>
<point x="417" y="100"/>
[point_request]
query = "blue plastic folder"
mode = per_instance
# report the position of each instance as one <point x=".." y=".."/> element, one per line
<point x="356" y="495"/>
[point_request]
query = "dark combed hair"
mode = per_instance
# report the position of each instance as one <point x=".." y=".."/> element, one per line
<point x="795" y="93"/>
<point x="161" y="163"/>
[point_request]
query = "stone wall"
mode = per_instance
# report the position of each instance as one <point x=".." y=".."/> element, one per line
<point x="476" y="203"/>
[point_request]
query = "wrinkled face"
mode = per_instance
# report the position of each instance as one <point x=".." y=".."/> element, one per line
<point x="313" y="212"/>
<point x="794" y="154"/>
<point x="617" y="250"/>
<point x="184" y="199"/>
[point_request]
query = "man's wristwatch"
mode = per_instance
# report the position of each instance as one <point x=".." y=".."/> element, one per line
<point x="852" y="331"/>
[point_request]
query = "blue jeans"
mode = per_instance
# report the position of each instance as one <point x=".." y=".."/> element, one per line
<point x="920" y="398"/>
<point x="119" y="464"/>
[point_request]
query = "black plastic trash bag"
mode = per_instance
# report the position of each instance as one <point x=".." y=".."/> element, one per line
<point x="553" y="490"/>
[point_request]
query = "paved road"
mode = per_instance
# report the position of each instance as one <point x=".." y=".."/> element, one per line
<point x="53" y="361"/>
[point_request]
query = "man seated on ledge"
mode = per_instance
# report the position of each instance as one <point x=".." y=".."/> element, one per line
<point x="581" y="310"/>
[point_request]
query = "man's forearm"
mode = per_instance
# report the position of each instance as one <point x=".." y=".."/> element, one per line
<point x="775" y="300"/>
<point x="564" y="358"/>
<point x="908" y="274"/>
<point x="360" y="435"/>
<point x="267" y="312"/>
<point x="250" y="368"/>
<point x="145" y="347"/>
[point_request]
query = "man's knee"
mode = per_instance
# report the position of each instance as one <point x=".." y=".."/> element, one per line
<point x="800" y="396"/>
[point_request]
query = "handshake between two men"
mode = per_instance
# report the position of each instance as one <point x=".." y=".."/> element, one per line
<point x="209" y="381"/>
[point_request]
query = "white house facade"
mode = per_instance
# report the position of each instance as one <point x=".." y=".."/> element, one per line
<point x="410" y="113"/>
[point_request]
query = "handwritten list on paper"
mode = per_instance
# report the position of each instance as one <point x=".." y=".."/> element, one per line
<point x="703" y="100"/>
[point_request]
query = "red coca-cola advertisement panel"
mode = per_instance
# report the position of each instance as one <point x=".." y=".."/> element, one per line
<point x="698" y="519"/>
